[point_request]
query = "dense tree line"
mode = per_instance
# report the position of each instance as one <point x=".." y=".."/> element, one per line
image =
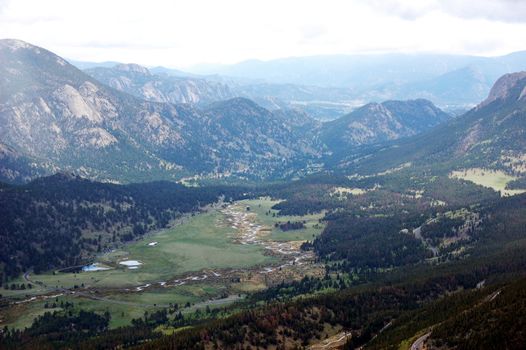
<point x="307" y="285"/>
<point x="484" y="318"/>
<point x="82" y="330"/>
<point x="58" y="328"/>
<point x="288" y="226"/>
<point x="368" y="242"/>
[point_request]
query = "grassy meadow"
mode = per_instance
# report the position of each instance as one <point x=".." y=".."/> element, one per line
<point x="203" y="243"/>
<point x="495" y="179"/>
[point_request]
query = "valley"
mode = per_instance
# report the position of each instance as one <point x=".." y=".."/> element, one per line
<point x="373" y="199"/>
<point x="209" y="259"/>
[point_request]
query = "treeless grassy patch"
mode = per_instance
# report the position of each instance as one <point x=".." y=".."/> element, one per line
<point x="495" y="179"/>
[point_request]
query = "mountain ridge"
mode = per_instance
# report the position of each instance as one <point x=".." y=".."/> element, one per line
<point x="59" y="114"/>
<point x="380" y="122"/>
<point x="140" y="82"/>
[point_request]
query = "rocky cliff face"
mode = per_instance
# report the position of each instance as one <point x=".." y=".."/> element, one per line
<point x="503" y="86"/>
<point x="138" y="81"/>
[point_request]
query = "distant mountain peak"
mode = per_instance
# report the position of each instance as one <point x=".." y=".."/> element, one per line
<point x="152" y="86"/>
<point x="379" y="122"/>
<point x="15" y="44"/>
<point x="502" y="87"/>
<point x="132" y="67"/>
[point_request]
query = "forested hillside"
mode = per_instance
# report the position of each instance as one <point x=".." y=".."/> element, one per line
<point x="488" y="136"/>
<point x="63" y="219"/>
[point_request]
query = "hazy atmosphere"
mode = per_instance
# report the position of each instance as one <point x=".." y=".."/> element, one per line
<point x="185" y="33"/>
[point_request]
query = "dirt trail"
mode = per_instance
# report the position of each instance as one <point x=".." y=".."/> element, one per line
<point x="337" y="341"/>
<point x="418" y="235"/>
<point x="419" y="343"/>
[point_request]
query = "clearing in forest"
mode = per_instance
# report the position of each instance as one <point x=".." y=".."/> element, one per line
<point x="495" y="179"/>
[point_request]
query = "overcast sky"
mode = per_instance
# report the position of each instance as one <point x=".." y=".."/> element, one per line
<point x="182" y="33"/>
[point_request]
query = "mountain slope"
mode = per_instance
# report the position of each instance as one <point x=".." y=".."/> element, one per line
<point x="55" y="117"/>
<point x="250" y="135"/>
<point x="379" y="122"/>
<point x="490" y="135"/>
<point x="52" y="111"/>
<point x="15" y="168"/>
<point x="140" y="82"/>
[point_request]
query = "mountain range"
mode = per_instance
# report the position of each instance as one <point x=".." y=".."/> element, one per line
<point x="139" y="81"/>
<point x="447" y="80"/>
<point x="325" y="87"/>
<point x="166" y="85"/>
<point x="56" y="117"/>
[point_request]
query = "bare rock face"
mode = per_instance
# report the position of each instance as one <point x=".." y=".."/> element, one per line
<point x="503" y="86"/>
<point x="133" y="68"/>
<point x="73" y="105"/>
<point x="95" y="137"/>
<point x="140" y="82"/>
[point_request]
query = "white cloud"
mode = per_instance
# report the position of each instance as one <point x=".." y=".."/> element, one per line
<point x="498" y="10"/>
<point x="181" y="33"/>
<point x="406" y="9"/>
<point x="3" y="5"/>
